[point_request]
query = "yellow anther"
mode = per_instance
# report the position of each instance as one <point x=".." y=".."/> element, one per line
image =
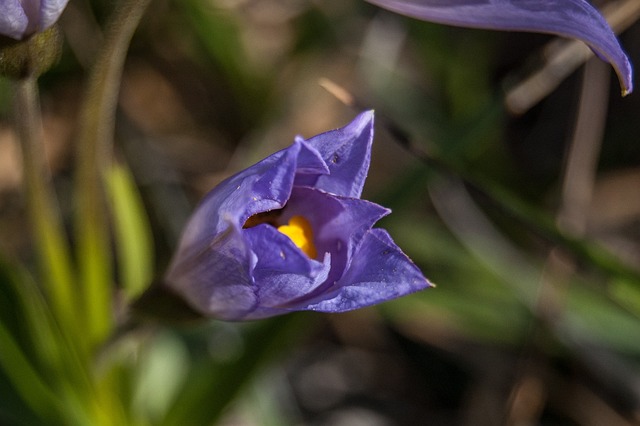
<point x="300" y="231"/>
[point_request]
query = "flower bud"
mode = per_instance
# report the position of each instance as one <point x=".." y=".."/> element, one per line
<point x="291" y="233"/>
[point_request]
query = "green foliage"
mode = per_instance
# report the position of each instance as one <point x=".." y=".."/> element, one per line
<point x="133" y="236"/>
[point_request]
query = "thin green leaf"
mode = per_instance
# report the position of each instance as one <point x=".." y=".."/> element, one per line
<point x="25" y="379"/>
<point x="134" y="247"/>
<point x="53" y="352"/>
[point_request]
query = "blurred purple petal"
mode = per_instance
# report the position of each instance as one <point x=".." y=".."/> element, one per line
<point x="567" y="18"/>
<point x="13" y="20"/>
<point x="217" y="279"/>
<point x="21" y="18"/>
<point x="50" y="11"/>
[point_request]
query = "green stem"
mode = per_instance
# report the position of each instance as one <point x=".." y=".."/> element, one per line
<point x="95" y="138"/>
<point x="49" y="240"/>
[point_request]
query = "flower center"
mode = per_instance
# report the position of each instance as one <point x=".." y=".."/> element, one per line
<point x="300" y="231"/>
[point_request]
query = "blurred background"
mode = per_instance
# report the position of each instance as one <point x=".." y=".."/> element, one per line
<point x="520" y="199"/>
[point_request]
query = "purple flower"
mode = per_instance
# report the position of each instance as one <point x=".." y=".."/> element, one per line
<point x="567" y="18"/>
<point x="22" y="18"/>
<point x="291" y="233"/>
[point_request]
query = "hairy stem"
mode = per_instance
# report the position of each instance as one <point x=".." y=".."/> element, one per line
<point x="95" y="139"/>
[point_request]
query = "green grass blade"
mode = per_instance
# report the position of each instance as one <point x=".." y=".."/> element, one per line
<point x="26" y="380"/>
<point x="134" y="246"/>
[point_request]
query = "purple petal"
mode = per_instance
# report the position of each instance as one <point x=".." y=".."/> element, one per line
<point x="567" y="18"/>
<point x="283" y="273"/>
<point x="339" y="223"/>
<point x="217" y="280"/>
<point x="379" y="271"/>
<point x="262" y="187"/>
<point x="347" y="153"/>
<point x="50" y="11"/>
<point x="13" y="20"/>
<point x="309" y="160"/>
<point x="20" y="19"/>
<point x="212" y="266"/>
<point x="233" y="273"/>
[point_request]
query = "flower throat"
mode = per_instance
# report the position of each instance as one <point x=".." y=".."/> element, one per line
<point x="298" y="229"/>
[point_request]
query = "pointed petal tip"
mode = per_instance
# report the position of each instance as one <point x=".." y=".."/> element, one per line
<point x="626" y="82"/>
<point x="370" y="113"/>
<point x="362" y="120"/>
<point x="624" y="70"/>
<point x="425" y="285"/>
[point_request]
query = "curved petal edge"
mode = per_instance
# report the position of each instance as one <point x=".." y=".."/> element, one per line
<point x="567" y="18"/>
